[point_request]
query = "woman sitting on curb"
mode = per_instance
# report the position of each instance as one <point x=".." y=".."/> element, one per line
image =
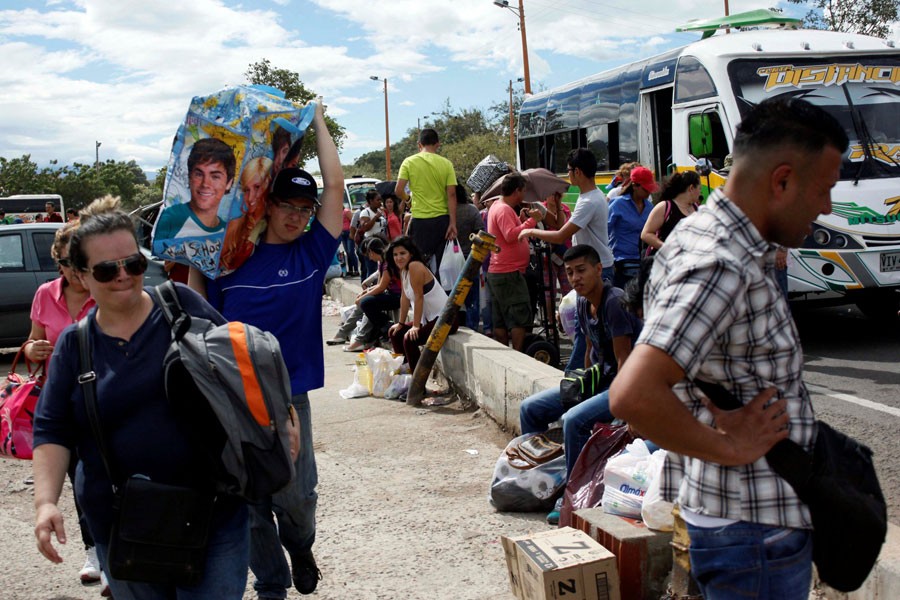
<point x="421" y="289"/>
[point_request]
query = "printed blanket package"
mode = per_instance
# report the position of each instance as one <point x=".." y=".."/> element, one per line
<point x="224" y="158"/>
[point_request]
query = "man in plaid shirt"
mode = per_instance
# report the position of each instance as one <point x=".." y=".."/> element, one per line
<point x="714" y="312"/>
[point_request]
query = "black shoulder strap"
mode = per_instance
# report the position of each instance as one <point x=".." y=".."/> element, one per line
<point x="88" y="381"/>
<point x="171" y="308"/>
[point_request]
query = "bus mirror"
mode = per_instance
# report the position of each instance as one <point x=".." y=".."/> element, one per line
<point x="700" y="131"/>
<point x="703" y="167"/>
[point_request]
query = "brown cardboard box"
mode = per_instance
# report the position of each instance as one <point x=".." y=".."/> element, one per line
<point x="561" y="564"/>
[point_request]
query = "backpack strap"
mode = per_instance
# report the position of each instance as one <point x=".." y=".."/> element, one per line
<point x="171" y="308"/>
<point x="88" y="381"/>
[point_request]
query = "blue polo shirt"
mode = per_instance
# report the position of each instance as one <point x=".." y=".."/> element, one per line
<point x="279" y="290"/>
<point x="625" y="226"/>
<point x="144" y="433"/>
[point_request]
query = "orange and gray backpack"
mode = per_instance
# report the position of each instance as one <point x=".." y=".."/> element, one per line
<point x="230" y="384"/>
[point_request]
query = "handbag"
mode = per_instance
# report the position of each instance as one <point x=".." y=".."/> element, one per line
<point x="18" y="399"/>
<point x="160" y="532"/>
<point x="580" y="384"/>
<point x="839" y="485"/>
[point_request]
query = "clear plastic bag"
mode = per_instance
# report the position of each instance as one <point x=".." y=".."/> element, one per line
<point x="362" y="380"/>
<point x="399" y="386"/>
<point x="527" y="490"/>
<point x="656" y="512"/>
<point x="626" y="479"/>
<point x="383" y="365"/>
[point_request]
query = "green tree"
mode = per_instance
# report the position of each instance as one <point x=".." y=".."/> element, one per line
<point x="868" y="17"/>
<point x="21" y="176"/>
<point x="263" y="73"/>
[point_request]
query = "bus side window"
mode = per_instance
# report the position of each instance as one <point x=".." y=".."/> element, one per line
<point x="706" y="138"/>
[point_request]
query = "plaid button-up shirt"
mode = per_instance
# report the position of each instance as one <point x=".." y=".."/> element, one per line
<point x="712" y="304"/>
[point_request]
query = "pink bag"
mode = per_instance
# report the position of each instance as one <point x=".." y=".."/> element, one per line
<point x="18" y="399"/>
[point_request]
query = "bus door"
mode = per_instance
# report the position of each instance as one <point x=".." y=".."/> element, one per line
<point x="655" y="131"/>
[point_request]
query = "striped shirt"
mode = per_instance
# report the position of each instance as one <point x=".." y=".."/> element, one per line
<point x="712" y="304"/>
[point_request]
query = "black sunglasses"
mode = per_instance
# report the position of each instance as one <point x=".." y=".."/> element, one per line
<point x="107" y="270"/>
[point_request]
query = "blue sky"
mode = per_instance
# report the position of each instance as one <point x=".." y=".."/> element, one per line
<point x="123" y="72"/>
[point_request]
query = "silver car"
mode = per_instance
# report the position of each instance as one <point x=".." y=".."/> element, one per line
<point x="25" y="264"/>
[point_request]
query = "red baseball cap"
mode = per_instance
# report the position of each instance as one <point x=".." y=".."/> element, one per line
<point x="644" y="178"/>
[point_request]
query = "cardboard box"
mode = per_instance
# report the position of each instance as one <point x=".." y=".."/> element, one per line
<point x="560" y="564"/>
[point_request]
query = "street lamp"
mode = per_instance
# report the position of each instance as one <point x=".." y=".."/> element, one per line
<point x="521" y="13"/>
<point x="419" y="122"/>
<point x="96" y="155"/>
<point x="387" y="134"/>
<point x="512" y="141"/>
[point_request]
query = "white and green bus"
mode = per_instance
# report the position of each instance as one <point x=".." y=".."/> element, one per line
<point x="672" y="110"/>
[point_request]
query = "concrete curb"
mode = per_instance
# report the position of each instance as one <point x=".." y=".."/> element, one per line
<point x="498" y="378"/>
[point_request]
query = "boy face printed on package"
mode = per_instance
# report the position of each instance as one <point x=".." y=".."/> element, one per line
<point x="208" y="182"/>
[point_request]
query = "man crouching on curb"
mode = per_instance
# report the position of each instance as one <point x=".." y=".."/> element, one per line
<point x="714" y="312"/>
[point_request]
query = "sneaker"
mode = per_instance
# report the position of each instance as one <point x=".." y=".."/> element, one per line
<point x="553" y="515"/>
<point x="105" y="591"/>
<point x="305" y="573"/>
<point x="90" y="572"/>
<point x="337" y="341"/>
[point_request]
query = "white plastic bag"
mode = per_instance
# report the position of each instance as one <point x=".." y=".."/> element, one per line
<point x="568" y="307"/>
<point x="359" y="388"/>
<point x="383" y="365"/>
<point x="399" y="386"/>
<point x="626" y="479"/>
<point x="656" y="512"/>
<point x="452" y="264"/>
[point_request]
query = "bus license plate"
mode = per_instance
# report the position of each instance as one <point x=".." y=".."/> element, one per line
<point x="890" y="261"/>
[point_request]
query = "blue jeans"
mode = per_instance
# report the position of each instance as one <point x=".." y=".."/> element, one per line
<point x="349" y="251"/>
<point x="781" y="276"/>
<point x="225" y="575"/>
<point x="295" y="509"/>
<point x="751" y="560"/>
<point x="473" y="306"/>
<point x="543" y="408"/>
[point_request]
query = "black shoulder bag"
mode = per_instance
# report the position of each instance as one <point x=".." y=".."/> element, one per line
<point x="839" y="485"/>
<point x="160" y="531"/>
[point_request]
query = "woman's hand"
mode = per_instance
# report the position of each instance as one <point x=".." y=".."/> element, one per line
<point x="49" y="520"/>
<point x="38" y="350"/>
<point x="525" y="234"/>
<point x="394" y="329"/>
<point x="413" y="333"/>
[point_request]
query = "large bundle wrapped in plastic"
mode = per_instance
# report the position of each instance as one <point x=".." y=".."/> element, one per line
<point x="568" y="308"/>
<point x="225" y="155"/>
<point x="486" y="172"/>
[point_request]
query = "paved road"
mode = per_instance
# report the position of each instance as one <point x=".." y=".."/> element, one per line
<point x="853" y="369"/>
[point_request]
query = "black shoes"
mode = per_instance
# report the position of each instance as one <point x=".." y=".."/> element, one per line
<point x="305" y="573"/>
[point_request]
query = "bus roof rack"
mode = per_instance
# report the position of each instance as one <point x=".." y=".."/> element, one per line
<point x="753" y="18"/>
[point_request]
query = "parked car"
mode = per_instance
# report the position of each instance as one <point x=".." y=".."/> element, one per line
<point x="25" y="264"/>
<point x="355" y="189"/>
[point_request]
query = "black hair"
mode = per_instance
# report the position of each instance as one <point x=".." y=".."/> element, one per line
<point x="462" y="196"/>
<point x="374" y="244"/>
<point x="212" y="150"/>
<point x="678" y="183"/>
<point x="428" y="137"/>
<point x="633" y="299"/>
<point x="403" y="241"/>
<point x="583" y="159"/>
<point x="586" y="251"/>
<point x="371" y="195"/>
<point x="511" y="183"/>
<point x="794" y="122"/>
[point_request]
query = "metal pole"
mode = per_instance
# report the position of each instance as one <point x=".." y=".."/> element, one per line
<point x="524" y="47"/>
<point x="512" y="143"/>
<point x="387" y="133"/>
<point x="482" y="245"/>
<point x="96" y="155"/>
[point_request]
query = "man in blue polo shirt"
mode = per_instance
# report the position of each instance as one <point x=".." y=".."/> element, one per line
<point x="627" y="215"/>
<point x="279" y="289"/>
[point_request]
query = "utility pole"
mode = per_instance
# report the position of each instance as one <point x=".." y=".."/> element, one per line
<point x="96" y="155"/>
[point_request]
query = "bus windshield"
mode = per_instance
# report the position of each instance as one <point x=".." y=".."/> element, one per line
<point x="861" y="92"/>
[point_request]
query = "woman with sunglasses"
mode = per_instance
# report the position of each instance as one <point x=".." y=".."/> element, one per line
<point x="56" y="305"/>
<point x="129" y="337"/>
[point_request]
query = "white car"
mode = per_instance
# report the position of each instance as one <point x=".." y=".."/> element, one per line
<point x="355" y="189"/>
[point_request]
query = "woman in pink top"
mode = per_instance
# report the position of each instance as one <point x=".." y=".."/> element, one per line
<point x="392" y="212"/>
<point x="56" y="305"/>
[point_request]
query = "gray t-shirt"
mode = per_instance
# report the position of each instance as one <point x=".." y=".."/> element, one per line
<point x="591" y="213"/>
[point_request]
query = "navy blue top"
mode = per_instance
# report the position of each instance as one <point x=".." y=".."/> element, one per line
<point x="143" y="433"/>
<point x="279" y="290"/>
<point x="616" y="321"/>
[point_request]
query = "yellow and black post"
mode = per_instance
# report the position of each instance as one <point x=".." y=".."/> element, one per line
<point x="482" y="245"/>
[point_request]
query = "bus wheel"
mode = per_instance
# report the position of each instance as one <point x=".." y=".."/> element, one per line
<point x="879" y="305"/>
<point x="543" y="351"/>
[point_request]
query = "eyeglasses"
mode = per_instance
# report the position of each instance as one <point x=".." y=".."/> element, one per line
<point x="288" y="208"/>
<point x="64" y="262"/>
<point x="107" y="270"/>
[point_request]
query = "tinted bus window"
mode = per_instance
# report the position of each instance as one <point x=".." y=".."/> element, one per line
<point x="692" y="81"/>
